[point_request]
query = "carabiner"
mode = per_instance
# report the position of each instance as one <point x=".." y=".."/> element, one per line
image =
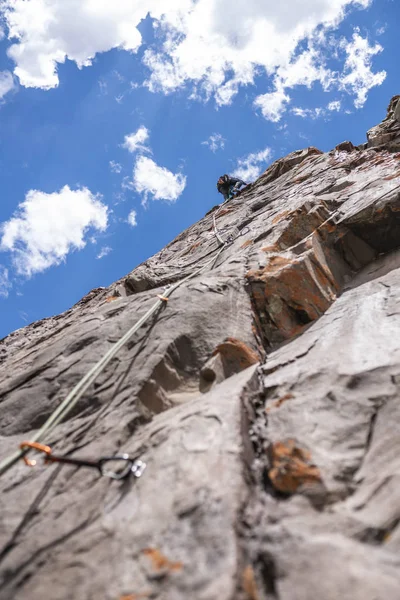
<point x="34" y="446"/>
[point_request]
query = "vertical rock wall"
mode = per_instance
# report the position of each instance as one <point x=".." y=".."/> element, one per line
<point x="263" y="397"/>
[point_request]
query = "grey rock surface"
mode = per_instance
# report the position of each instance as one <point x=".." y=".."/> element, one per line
<point x="263" y="397"/>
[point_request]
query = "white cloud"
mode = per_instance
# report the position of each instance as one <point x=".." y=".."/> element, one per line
<point x="311" y="113"/>
<point x="115" y="167"/>
<point x="215" y="45"/>
<point x="104" y="252"/>
<point x="220" y="45"/>
<point x="335" y="105"/>
<point x="151" y="179"/>
<point x="305" y="69"/>
<point x="250" y="167"/>
<point x="135" y="142"/>
<point x="316" y="113"/>
<point x="7" y="83"/>
<point x="46" y="227"/>
<point x="5" y="284"/>
<point x="132" y="218"/>
<point x="272" y="105"/>
<point x="215" y="142"/>
<point x="358" y="77"/>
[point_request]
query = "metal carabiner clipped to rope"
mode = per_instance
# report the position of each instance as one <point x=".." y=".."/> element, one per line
<point x="115" y="467"/>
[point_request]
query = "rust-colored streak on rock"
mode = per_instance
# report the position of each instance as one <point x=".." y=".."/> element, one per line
<point x="273" y="248"/>
<point x="249" y="583"/>
<point x="283" y="165"/>
<point x="224" y="211"/>
<point x="281" y="216"/>
<point x="301" y="223"/>
<point x="112" y="298"/>
<point x="161" y="562"/>
<point x="247" y="243"/>
<point x="192" y="248"/>
<point x="291" y="467"/>
<point x="289" y="287"/>
<point x="390" y="177"/>
<point x="236" y="355"/>
<point x="302" y="178"/>
<point x="278" y="403"/>
<point x="136" y="596"/>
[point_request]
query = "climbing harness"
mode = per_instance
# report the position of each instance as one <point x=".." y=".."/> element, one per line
<point x="116" y="467"/>
<point x="82" y="386"/>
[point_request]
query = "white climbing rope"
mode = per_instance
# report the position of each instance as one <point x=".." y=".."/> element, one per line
<point x="231" y="230"/>
<point x="77" y="392"/>
<point x="215" y="230"/>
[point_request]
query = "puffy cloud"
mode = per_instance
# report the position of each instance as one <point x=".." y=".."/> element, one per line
<point x="104" y="252"/>
<point x="47" y="32"/>
<point x="358" y="77"/>
<point x="132" y="218"/>
<point x="46" y="227"/>
<point x="7" y="83"/>
<point x="250" y="167"/>
<point x="305" y="69"/>
<point x="151" y="179"/>
<point x="5" y="284"/>
<point x="135" y="142"/>
<point x="215" y="142"/>
<point x="216" y="45"/>
<point x="272" y="105"/>
<point x="220" y="45"/>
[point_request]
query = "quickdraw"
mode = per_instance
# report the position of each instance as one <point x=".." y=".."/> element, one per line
<point x="116" y="467"/>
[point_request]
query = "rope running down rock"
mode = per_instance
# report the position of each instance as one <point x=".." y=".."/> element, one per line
<point x="77" y="392"/>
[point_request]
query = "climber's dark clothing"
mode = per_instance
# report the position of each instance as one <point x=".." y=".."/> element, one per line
<point x="227" y="185"/>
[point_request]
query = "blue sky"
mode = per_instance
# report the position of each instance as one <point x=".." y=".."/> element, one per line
<point x="117" y="118"/>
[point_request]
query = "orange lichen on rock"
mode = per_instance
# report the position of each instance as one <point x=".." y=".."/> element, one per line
<point x="161" y="562"/>
<point x="291" y="467"/>
<point x="249" y="583"/>
<point x="236" y="355"/>
<point x="112" y="298"/>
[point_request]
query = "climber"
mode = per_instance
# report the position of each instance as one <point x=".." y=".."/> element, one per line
<point x="228" y="186"/>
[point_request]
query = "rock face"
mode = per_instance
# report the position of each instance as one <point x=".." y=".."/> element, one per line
<point x="263" y="396"/>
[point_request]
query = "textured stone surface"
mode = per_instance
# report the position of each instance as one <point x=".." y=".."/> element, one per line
<point x="263" y="396"/>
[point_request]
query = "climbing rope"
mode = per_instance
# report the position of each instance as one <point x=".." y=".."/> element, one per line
<point x="233" y="231"/>
<point x="77" y="392"/>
